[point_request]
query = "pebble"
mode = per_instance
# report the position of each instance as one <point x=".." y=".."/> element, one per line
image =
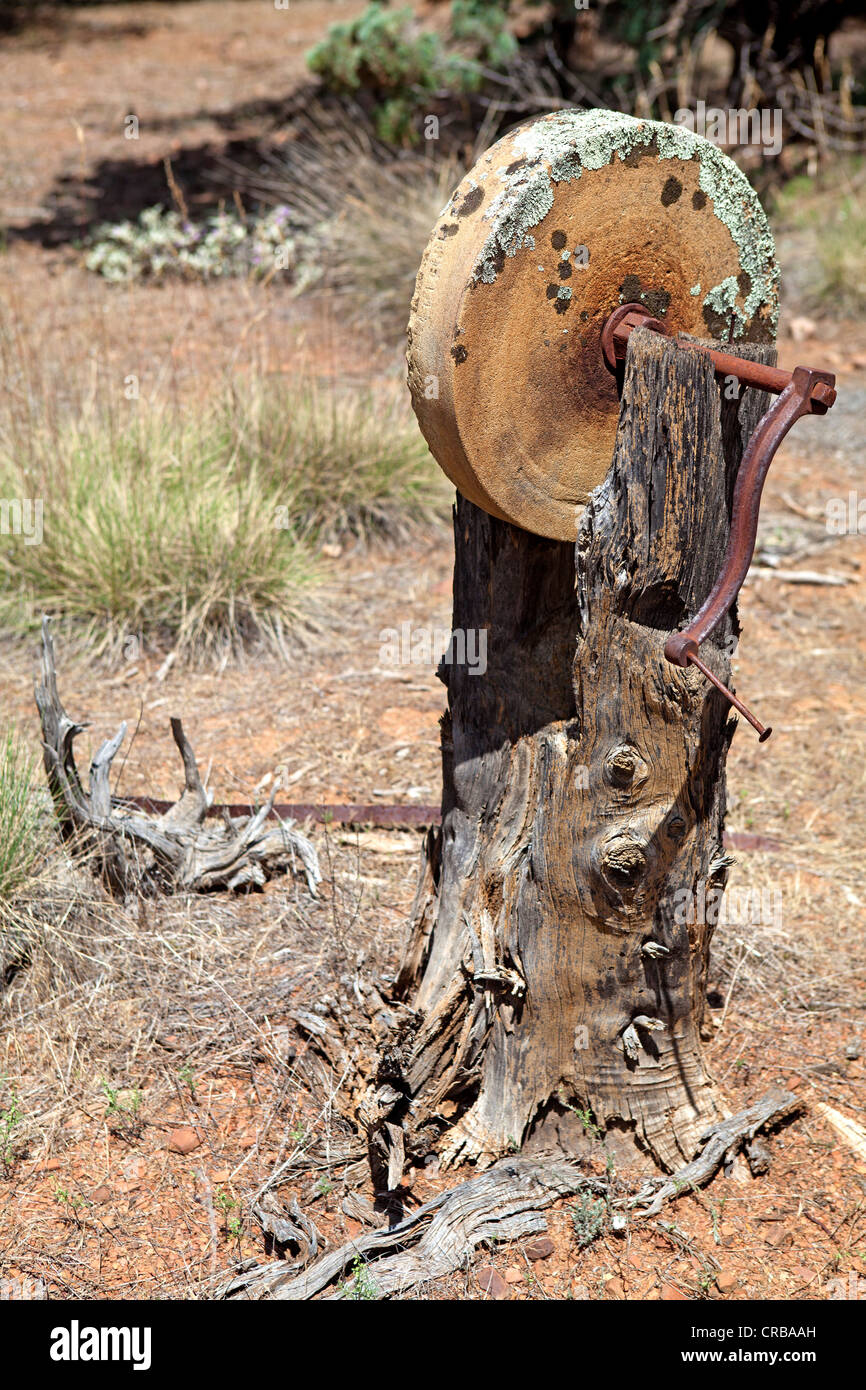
<point x="492" y="1282"/>
<point x="539" y="1249"/>
<point x="184" y="1140"/>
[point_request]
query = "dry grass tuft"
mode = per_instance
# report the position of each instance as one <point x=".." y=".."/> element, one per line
<point x="198" y="531"/>
<point x="370" y="211"/>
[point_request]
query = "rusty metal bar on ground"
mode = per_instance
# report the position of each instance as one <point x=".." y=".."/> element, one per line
<point x="385" y="817"/>
<point x="804" y="391"/>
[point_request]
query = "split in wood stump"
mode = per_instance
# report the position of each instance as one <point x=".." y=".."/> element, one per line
<point x="176" y="851"/>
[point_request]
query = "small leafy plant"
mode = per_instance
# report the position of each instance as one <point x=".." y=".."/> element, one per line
<point x="587" y="1217"/>
<point x="10" y="1118"/>
<point x="228" y="1204"/>
<point x="187" y="1077"/>
<point x="123" y="1112"/>
<point x="361" y="1287"/>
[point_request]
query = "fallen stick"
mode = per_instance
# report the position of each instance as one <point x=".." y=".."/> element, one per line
<point x="800" y="576"/>
<point x="849" y="1130"/>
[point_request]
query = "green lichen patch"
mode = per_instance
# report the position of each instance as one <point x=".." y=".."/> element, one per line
<point x="560" y="147"/>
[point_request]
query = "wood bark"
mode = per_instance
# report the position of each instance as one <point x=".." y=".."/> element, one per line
<point x="556" y="969"/>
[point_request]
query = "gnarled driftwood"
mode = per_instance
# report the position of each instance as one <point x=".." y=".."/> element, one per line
<point x="173" y="851"/>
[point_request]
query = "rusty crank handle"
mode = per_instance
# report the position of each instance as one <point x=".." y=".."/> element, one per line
<point x="805" y="391"/>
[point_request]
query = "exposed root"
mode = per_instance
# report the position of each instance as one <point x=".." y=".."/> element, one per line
<point x="505" y="1203"/>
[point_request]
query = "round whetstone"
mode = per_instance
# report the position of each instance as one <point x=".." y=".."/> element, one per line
<point x="561" y="221"/>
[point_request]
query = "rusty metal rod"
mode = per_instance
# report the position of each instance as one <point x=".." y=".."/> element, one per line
<point x="762" y="732"/>
<point x="795" y="401"/>
<point x="354" y="813"/>
<point x="805" y="391"/>
<point x="387" y="816"/>
<point x="624" y="320"/>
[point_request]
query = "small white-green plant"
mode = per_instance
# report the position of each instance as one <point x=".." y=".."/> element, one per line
<point x="587" y="1218"/>
<point x="10" y="1118"/>
<point x="361" y="1287"/>
<point x="163" y="243"/>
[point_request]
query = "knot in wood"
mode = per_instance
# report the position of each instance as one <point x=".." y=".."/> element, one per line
<point x="623" y="766"/>
<point x="623" y="863"/>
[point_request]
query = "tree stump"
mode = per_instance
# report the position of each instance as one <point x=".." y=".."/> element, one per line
<point x="557" y="963"/>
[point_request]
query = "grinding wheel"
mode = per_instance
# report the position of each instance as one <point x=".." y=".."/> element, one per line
<point x="559" y="223"/>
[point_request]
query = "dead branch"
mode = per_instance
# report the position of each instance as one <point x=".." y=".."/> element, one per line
<point x="504" y="1203"/>
<point x="176" y="850"/>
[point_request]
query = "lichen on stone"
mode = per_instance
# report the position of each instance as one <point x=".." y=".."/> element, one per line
<point x="722" y="299"/>
<point x="559" y="147"/>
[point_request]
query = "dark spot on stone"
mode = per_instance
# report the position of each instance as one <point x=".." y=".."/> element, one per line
<point x="457" y="330"/>
<point x="497" y="262"/>
<point x="552" y="291"/>
<point x="561" y="305"/>
<point x="450" y="229"/>
<point x="515" y="165"/>
<point x="657" y="302"/>
<point x="744" y="280"/>
<point x="563" y="346"/>
<point x="717" y="324"/>
<point x="633" y="292"/>
<point x="565" y="270"/>
<point x="631" y="289"/>
<point x="699" y="199"/>
<point x="547" y="342"/>
<point x="473" y="200"/>
<point x="584" y="315"/>
<point x="459" y="353"/>
<point x="671" y="191"/>
<point x="558" y="240"/>
<point x="639" y="152"/>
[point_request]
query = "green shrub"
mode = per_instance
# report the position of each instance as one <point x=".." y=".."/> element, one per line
<point x="386" y="54"/>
